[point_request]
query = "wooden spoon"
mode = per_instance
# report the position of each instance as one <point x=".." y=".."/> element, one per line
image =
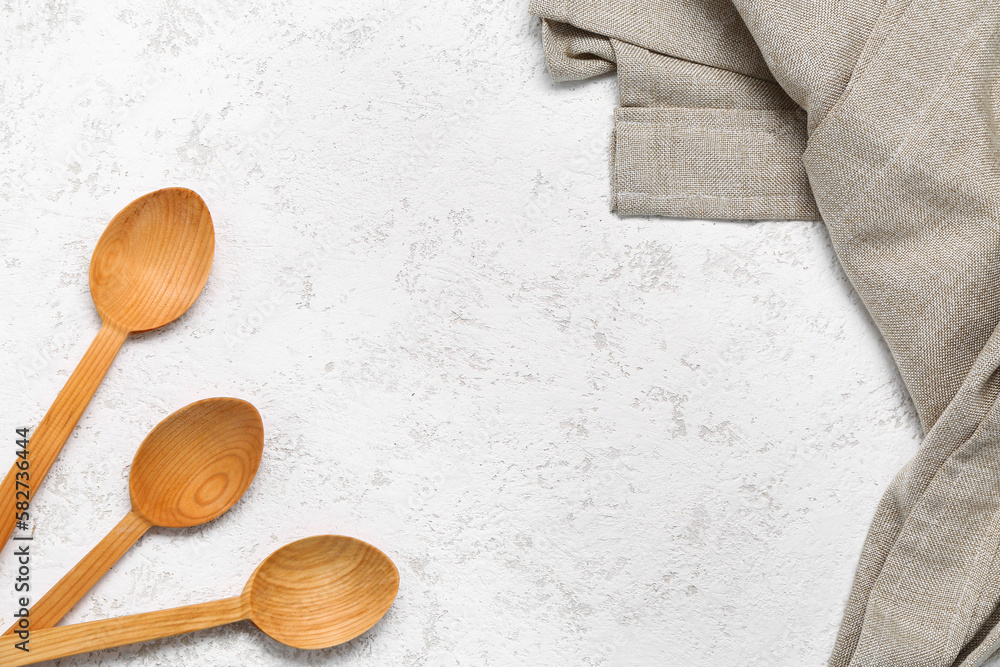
<point x="191" y="468"/>
<point x="313" y="593"/>
<point x="149" y="266"/>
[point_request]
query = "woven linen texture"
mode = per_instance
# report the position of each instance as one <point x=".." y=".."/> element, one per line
<point x="891" y="134"/>
<point x="704" y="130"/>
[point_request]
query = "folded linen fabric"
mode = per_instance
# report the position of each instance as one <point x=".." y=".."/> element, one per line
<point x="703" y="129"/>
<point x="881" y="116"/>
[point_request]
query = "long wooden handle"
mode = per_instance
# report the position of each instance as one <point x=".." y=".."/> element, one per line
<point x="58" y="423"/>
<point x="62" y="597"/>
<point x="60" y="642"/>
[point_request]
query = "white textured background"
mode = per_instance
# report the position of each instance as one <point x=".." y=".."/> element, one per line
<point x="584" y="440"/>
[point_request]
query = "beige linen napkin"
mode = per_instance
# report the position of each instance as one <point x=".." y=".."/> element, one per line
<point x="703" y="130"/>
<point x="898" y="100"/>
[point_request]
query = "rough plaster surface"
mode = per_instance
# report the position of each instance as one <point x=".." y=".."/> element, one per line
<point x="584" y="440"/>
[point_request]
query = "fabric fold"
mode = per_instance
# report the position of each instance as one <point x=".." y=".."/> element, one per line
<point x="710" y="163"/>
<point x="711" y="33"/>
<point x="691" y="140"/>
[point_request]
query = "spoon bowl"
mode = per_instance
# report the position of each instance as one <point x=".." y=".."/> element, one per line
<point x="195" y="464"/>
<point x="191" y="468"/>
<point x="321" y="591"/>
<point x="153" y="259"/>
<point x="310" y="594"/>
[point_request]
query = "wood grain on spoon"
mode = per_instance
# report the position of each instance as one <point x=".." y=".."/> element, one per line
<point x="190" y="469"/>
<point x="147" y="269"/>
<point x="313" y="593"/>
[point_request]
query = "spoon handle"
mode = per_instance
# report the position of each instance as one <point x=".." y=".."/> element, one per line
<point x="51" y="643"/>
<point x="58" y="423"/>
<point x="62" y="597"/>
